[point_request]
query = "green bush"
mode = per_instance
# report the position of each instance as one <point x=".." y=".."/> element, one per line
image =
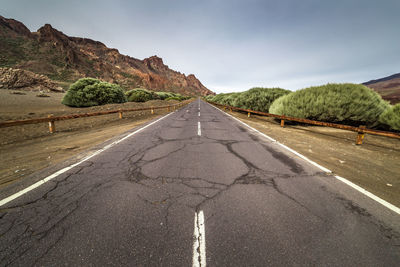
<point x="209" y="97"/>
<point x="143" y="95"/>
<point x="174" y="98"/>
<point x="229" y="99"/>
<point x="164" y="95"/>
<point x="391" y="117"/>
<point x="140" y="95"/>
<point x="178" y="97"/>
<point x="88" y="92"/>
<point x="259" y="99"/>
<point x="346" y="103"/>
<point x="218" y="98"/>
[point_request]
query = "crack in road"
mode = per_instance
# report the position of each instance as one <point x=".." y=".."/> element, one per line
<point x="25" y="225"/>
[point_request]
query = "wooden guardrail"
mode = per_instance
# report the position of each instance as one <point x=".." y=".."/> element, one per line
<point x="52" y="119"/>
<point x="361" y="131"/>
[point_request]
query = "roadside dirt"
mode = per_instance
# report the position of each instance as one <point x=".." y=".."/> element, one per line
<point x="29" y="148"/>
<point x="374" y="165"/>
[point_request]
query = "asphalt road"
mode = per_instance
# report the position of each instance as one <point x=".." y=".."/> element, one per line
<point x="141" y="203"/>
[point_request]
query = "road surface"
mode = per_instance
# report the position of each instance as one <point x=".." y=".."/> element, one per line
<point x="196" y="188"/>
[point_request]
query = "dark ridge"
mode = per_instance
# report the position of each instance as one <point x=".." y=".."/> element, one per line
<point x="394" y="76"/>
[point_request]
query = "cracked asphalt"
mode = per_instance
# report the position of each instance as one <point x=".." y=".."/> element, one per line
<point x="134" y="205"/>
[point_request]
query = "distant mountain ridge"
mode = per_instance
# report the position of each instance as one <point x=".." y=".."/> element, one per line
<point x="65" y="59"/>
<point x="394" y="76"/>
<point x="388" y="87"/>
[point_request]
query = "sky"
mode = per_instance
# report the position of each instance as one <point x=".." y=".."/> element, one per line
<point x="233" y="45"/>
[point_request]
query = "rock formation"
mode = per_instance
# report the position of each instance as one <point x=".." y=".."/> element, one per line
<point x="65" y="59"/>
<point x="26" y="80"/>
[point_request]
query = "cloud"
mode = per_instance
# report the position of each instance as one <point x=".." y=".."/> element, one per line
<point x="232" y="45"/>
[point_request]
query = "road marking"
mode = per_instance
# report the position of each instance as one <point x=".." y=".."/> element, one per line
<point x="282" y="145"/>
<point x="199" y="244"/>
<point x="54" y="175"/>
<point x="198" y="129"/>
<point x="369" y="194"/>
<point x="344" y="180"/>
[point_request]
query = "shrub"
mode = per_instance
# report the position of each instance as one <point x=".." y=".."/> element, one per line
<point x="140" y="95"/>
<point x="229" y="99"/>
<point x="347" y="103"/>
<point x="164" y="95"/>
<point x="391" y="117"/>
<point x="209" y="97"/>
<point x="174" y="98"/>
<point x="218" y="98"/>
<point x="259" y="99"/>
<point x="178" y="97"/>
<point x="88" y="92"/>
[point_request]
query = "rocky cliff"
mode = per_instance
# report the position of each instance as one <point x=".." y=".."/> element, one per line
<point x="65" y="59"/>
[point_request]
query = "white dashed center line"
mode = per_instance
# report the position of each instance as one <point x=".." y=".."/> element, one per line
<point x="199" y="245"/>
<point x="198" y="129"/>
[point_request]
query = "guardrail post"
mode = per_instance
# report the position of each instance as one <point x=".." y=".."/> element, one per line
<point x="52" y="125"/>
<point x="360" y="136"/>
<point x="120" y="114"/>
<point x="282" y="123"/>
<point x="248" y="114"/>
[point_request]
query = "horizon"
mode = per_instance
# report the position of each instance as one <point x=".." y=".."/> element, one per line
<point x="232" y="46"/>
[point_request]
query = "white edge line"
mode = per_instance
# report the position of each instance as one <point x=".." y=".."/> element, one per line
<point x="54" y="175"/>
<point x="369" y="194"/>
<point x="282" y="145"/>
<point x="344" y="180"/>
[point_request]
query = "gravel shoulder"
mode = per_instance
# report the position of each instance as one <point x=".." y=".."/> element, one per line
<point x="374" y="165"/>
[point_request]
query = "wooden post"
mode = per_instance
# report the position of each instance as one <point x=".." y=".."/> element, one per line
<point x="120" y="114"/>
<point x="360" y="136"/>
<point x="152" y="111"/>
<point x="282" y="123"/>
<point x="52" y="125"/>
<point x="169" y="109"/>
<point x="230" y="109"/>
<point x="248" y="114"/>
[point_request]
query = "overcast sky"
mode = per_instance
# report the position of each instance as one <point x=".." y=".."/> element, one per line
<point x="234" y="45"/>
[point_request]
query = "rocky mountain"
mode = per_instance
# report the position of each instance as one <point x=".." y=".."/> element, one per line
<point x="387" y="87"/>
<point x="65" y="59"/>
